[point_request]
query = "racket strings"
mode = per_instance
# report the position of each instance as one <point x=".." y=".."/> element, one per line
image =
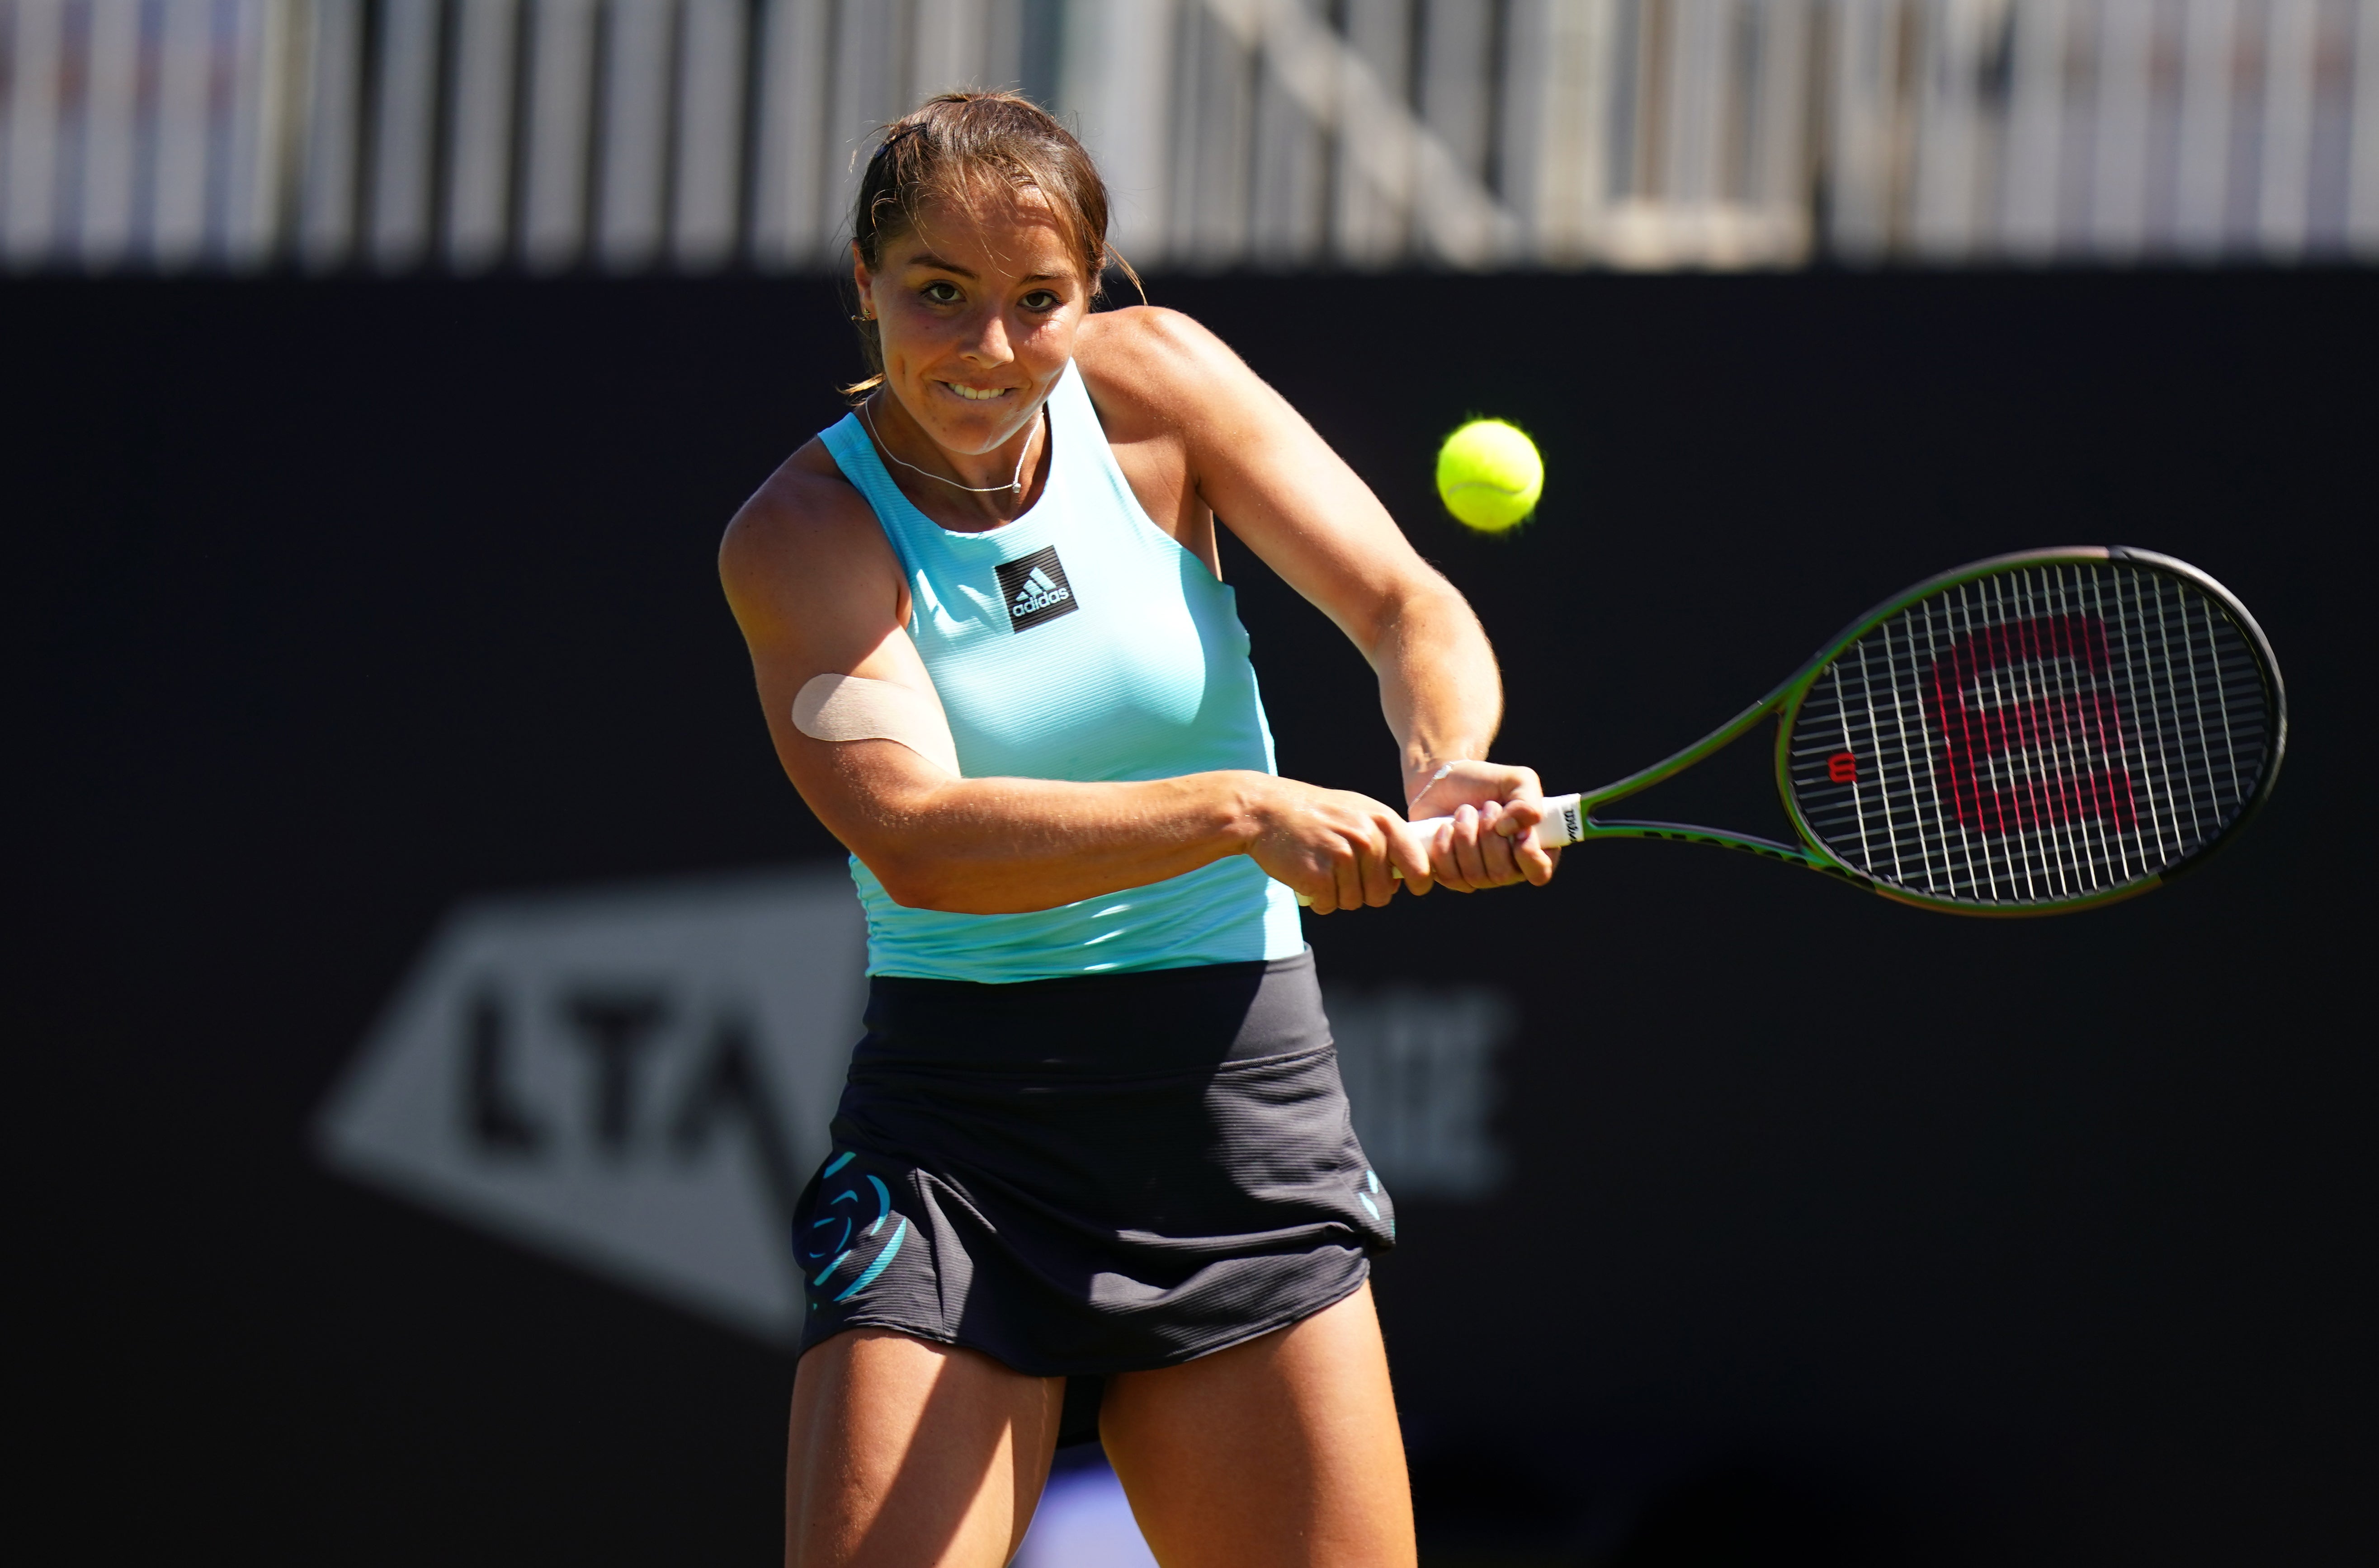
<point x="2039" y="735"/>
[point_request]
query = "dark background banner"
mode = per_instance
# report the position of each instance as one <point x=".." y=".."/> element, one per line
<point x="1833" y="1226"/>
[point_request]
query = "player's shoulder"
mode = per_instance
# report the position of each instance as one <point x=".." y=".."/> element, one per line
<point x="1147" y="335"/>
<point x="1144" y="356"/>
<point x="807" y="528"/>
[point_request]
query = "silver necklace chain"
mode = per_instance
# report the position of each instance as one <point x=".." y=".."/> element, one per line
<point x="1013" y="486"/>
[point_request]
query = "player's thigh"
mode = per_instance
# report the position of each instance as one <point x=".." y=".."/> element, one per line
<point x="1282" y="1452"/>
<point x="904" y="1454"/>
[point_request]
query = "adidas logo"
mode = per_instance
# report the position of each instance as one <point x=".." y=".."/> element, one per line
<point x="1035" y="589"/>
<point x="1040" y="591"/>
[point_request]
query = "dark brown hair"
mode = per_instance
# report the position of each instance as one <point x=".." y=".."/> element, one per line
<point x="954" y="146"/>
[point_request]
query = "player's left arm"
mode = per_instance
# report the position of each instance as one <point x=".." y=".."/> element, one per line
<point x="1276" y="482"/>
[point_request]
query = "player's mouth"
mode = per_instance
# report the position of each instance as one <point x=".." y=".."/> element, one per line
<point x="979" y="395"/>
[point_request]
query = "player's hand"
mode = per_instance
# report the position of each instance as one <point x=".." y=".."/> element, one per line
<point x="1491" y="841"/>
<point x="1337" y="850"/>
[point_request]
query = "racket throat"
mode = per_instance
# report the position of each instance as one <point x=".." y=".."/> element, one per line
<point x="1568" y="821"/>
<point x="1690" y="833"/>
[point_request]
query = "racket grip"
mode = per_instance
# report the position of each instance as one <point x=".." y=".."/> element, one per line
<point x="1564" y="823"/>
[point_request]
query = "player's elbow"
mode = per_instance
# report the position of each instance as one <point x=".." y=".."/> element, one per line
<point x="946" y="888"/>
<point x="908" y="880"/>
<point x="1420" y="607"/>
<point x="925" y="882"/>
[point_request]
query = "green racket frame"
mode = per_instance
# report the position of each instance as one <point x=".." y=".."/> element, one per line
<point x="1784" y="705"/>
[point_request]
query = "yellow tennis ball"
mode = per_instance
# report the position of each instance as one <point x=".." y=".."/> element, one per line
<point x="1489" y="474"/>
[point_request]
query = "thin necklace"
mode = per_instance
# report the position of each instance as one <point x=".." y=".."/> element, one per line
<point x="1013" y="486"/>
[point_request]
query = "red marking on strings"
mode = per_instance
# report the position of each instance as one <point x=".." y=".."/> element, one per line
<point x="2031" y="731"/>
<point x="1842" y="767"/>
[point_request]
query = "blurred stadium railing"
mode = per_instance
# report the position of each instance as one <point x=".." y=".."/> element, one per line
<point x="689" y="135"/>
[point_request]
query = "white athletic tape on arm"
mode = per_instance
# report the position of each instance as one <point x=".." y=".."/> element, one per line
<point x="851" y="708"/>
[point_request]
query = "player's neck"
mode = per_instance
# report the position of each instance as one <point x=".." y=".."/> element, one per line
<point x="965" y="492"/>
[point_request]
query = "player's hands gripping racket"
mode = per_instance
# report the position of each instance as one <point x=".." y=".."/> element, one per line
<point x="2025" y="735"/>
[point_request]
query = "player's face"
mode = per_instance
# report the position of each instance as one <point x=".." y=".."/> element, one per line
<point x="976" y="308"/>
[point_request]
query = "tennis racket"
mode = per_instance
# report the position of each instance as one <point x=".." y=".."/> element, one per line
<point x="2026" y="735"/>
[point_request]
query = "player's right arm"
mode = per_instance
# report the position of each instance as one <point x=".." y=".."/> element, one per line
<point x="817" y="591"/>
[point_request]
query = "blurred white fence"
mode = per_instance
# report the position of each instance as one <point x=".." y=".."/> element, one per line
<point x="631" y="135"/>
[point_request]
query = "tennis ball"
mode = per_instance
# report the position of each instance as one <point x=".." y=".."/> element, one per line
<point x="1489" y="474"/>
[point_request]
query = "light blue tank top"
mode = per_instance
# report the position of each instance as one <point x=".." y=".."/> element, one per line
<point x="1078" y="642"/>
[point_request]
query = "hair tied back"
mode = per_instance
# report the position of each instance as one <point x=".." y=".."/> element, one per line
<point x="949" y="149"/>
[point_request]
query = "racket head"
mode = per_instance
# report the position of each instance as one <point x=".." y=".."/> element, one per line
<point x="2035" y="733"/>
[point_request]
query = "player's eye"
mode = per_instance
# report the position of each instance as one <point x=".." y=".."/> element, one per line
<point x="1040" y="299"/>
<point x="941" y="291"/>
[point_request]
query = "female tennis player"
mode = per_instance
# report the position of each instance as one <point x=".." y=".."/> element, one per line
<point x="1093" y="1173"/>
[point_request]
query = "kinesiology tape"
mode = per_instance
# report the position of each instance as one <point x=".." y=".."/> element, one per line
<point x="851" y="707"/>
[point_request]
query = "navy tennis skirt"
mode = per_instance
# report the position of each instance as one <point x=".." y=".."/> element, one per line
<point x="1095" y="1174"/>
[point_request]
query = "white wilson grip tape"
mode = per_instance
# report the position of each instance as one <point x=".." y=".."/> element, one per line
<point x="1564" y="823"/>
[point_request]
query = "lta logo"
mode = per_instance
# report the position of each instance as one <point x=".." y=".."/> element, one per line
<point x="637" y="1080"/>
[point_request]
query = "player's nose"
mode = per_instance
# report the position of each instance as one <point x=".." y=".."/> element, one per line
<point x="990" y="344"/>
